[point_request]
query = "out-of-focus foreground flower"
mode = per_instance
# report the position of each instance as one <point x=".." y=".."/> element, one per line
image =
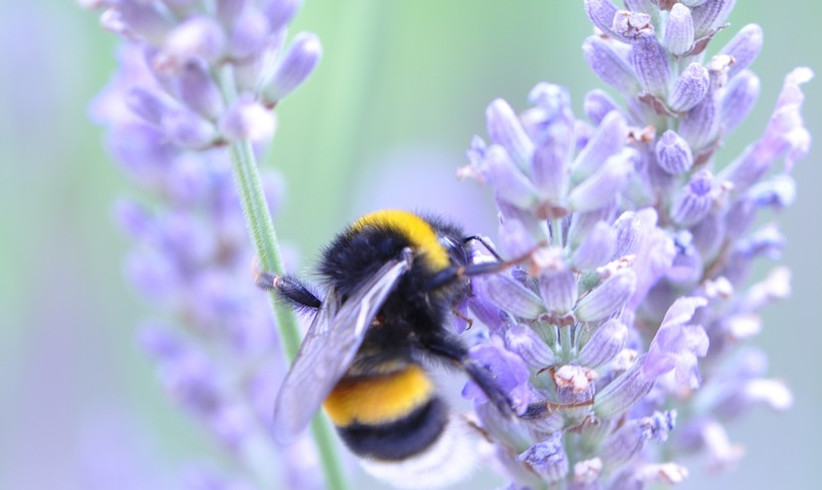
<point x="191" y="82"/>
<point x="632" y="315"/>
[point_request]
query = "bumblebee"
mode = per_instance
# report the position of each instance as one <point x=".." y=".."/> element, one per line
<point x="391" y="280"/>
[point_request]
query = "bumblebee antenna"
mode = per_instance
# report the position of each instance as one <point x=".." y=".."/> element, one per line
<point x="451" y="274"/>
<point x="485" y="244"/>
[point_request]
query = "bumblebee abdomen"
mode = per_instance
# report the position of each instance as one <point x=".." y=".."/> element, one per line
<point x="400" y="439"/>
<point x="387" y="416"/>
<point x="378" y="398"/>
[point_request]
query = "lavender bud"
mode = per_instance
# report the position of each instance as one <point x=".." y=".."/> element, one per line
<point x="133" y="218"/>
<point x="597" y="105"/>
<point x="188" y="129"/>
<point x="597" y="248"/>
<point x="690" y="88"/>
<point x="558" y="288"/>
<point x="248" y="120"/>
<point x="778" y="192"/>
<point x="197" y="89"/>
<point x="279" y="12"/>
<point x="509" y="183"/>
<point x="608" y="341"/>
<point x="679" y="30"/>
<point x="744" y="47"/>
<point x="740" y="97"/>
<point x="708" y="235"/>
<point x="693" y="3"/>
<point x="629" y="231"/>
<point x="249" y="33"/>
<point x="517" y="240"/>
<point x="547" y="458"/>
<point x="136" y="19"/>
<point x="524" y="342"/>
<point x="197" y="37"/>
<point x="302" y="56"/>
<point x="601" y="13"/>
<point x="608" y="140"/>
<point x="775" y="286"/>
<point x="550" y="173"/>
<point x="609" y="65"/>
<point x="148" y="105"/>
<point x="631" y="437"/>
<point x="186" y="181"/>
<point x="600" y="189"/>
<point x="607" y="298"/>
<point x="687" y="267"/>
<point x="650" y="62"/>
<point x="771" y="392"/>
<point x="710" y="15"/>
<point x="228" y="10"/>
<point x="514" y="297"/>
<point x="694" y="201"/>
<point x="583" y="223"/>
<point x="552" y="130"/>
<point x="699" y="126"/>
<point x="677" y="344"/>
<point x="505" y="129"/>
<point x="623" y="392"/>
<point x="673" y="154"/>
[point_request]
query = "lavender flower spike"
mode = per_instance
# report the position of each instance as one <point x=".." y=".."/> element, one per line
<point x="647" y="252"/>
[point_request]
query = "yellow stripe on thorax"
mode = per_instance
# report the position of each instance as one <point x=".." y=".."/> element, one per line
<point x="419" y="232"/>
<point x="378" y="399"/>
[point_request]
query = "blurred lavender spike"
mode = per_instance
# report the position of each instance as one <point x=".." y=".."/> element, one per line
<point x="168" y="120"/>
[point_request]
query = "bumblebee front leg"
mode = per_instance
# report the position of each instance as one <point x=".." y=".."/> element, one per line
<point x="288" y="288"/>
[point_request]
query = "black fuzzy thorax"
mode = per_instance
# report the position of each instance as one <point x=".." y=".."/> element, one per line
<point x="411" y="309"/>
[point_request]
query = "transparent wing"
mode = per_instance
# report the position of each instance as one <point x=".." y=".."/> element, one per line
<point x="329" y="347"/>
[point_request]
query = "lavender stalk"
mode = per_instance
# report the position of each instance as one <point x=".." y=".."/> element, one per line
<point x="171" y="118"/>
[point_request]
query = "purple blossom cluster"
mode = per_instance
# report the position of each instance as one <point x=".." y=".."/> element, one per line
<point x="622" y="340"/>
<point x="190" y="82"/>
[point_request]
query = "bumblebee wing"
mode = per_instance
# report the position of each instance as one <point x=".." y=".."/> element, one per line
<point x="329" y="347"/>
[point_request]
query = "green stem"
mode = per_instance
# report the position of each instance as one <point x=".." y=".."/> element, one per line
<point x="261" y="227"/>
<point x="565" y="342"/>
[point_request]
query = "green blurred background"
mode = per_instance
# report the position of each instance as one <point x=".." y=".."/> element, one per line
<point x="384" y="121"/>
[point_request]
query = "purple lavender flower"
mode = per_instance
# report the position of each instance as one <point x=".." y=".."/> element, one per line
<point x="169" y="119"/>
<point x="634" y="299"/>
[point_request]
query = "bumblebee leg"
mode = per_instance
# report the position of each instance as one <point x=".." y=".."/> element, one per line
<point x="448" y="347"/>
<point x="544" y="408"/>
<point x="289" y="289"/>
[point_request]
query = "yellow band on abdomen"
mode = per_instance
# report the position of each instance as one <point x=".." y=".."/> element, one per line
<point x="418" y="231"/>
<point x="378" y="399"/>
